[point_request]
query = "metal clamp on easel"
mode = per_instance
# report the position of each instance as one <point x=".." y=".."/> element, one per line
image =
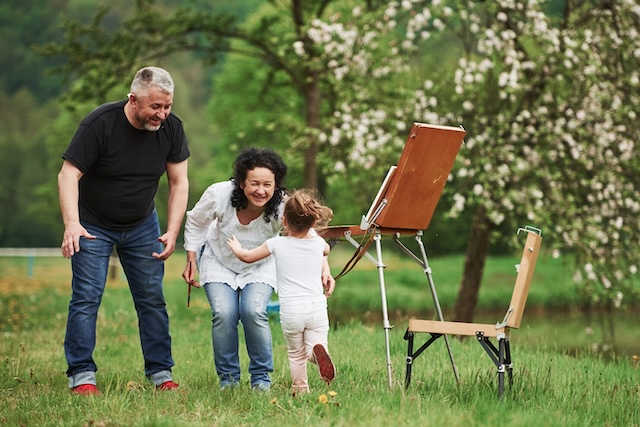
<point x="365" y="224"/>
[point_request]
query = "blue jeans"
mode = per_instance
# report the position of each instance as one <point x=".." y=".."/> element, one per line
<point x="248" y="305"/>
<point x="144" y="274"/>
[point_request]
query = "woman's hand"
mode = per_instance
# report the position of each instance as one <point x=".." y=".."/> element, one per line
<point x="189" y="273"/>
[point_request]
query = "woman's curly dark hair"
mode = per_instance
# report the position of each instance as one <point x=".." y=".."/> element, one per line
<point x="251" y="158"/>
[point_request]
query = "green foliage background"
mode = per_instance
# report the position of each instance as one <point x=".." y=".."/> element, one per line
<point x="36" y="127"/>
<point x="210" y="99"/>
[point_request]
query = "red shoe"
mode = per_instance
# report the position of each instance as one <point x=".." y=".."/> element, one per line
<point x="325" y="364"/>
<point x="86" y="390"/>
<point x="167" y="385"/>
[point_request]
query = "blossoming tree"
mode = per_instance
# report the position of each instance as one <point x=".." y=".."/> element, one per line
<point x="550" y="108"/>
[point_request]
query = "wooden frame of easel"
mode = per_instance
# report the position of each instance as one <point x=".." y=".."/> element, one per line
<point x="500" y="355"/>
<point x="404" y="206"/>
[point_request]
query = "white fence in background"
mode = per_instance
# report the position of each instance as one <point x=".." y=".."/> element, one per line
<point x="33" y="253"/>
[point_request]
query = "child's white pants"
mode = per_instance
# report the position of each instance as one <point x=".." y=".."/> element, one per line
<point x="304" y="325"/>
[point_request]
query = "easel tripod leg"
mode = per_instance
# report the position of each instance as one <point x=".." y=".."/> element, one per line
<point x="385" y="315"/>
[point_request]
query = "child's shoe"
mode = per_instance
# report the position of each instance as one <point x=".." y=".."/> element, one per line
<point x="325" y="364"/>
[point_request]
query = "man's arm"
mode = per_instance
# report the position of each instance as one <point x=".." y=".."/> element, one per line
<point x="68" y="178"/>
<point x="177" y="206"/>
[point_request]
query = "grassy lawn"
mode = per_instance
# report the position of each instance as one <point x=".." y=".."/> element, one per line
<point x="551" y="385"/>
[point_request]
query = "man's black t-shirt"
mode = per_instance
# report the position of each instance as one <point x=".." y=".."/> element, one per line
<point x="122" y="165"/>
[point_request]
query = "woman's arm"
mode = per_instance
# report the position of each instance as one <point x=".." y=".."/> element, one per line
<point x="200" y="217"/>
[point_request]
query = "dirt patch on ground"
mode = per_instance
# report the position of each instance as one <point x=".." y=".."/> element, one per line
<point x="23" y="286"/>
<point x="16" y="286"/>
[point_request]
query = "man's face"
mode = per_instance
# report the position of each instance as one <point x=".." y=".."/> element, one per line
<point x="150" y="109"/>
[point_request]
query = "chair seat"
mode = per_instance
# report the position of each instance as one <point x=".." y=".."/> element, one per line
<point x="454" y="328"/>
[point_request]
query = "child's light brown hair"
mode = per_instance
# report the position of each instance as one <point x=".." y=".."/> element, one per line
<point x="304" y="210"/>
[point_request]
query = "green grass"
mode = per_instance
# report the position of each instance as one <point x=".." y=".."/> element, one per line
<point x="551" y="387"/>
<point x="408" y="287"/>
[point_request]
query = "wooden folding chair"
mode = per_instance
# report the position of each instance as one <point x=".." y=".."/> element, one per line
<point x="500" y="355"/>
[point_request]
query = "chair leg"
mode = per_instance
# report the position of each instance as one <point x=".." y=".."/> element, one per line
<point x="501" y="368"/>
<point x="409" y="337"/>
<point x="497" y="355"/>
<point x="508" y="363"/>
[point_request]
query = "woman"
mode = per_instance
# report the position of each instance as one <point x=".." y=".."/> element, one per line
<point x="248" y="206"/>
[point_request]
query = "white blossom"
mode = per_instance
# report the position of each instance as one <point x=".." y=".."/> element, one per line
<point x="298" y="48"/>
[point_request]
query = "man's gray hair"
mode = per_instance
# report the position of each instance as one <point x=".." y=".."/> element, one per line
<point x="147" y="77"/>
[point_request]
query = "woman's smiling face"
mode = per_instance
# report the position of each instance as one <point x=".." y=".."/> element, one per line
<point x="259" y="186"/>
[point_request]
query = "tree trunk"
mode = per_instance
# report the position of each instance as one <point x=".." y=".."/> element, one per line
<point x="312" y="107"/>
<point x="310" y="168"/>
<point x="475" y="258"/>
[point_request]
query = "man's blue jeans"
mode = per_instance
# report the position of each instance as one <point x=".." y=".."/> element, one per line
<point x="144" y="274"/>
<point x="248" y="305"/>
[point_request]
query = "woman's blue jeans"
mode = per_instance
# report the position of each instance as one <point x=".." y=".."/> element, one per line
<point x="144" y="274"/>
<point x="248" y="305"/>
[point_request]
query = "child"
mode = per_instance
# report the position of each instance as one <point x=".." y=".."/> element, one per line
<point x="299" y="255"/>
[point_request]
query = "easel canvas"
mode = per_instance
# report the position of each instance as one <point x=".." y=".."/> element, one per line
<point x="414" y="189"/>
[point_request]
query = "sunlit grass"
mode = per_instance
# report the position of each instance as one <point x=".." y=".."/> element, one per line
<point x="551" y="386"/>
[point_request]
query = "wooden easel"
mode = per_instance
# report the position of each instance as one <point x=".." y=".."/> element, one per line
<point x="404" y="206"/>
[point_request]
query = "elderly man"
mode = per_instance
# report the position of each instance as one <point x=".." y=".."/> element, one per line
<point x="107" y="186"/>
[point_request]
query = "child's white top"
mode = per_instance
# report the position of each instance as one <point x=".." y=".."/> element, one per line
<point x="299" y="269"/>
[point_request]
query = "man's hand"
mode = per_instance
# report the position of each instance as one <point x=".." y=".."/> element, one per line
<point x="71" y="239"/>
<point x="169" y="242"/>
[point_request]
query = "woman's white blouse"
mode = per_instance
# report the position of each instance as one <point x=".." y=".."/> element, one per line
<point x="208" y="226"/>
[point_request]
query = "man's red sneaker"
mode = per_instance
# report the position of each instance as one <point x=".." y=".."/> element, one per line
<point x="167" y="385"/>
<point x="86" y="390"/>
<point x="325" y="364"/>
